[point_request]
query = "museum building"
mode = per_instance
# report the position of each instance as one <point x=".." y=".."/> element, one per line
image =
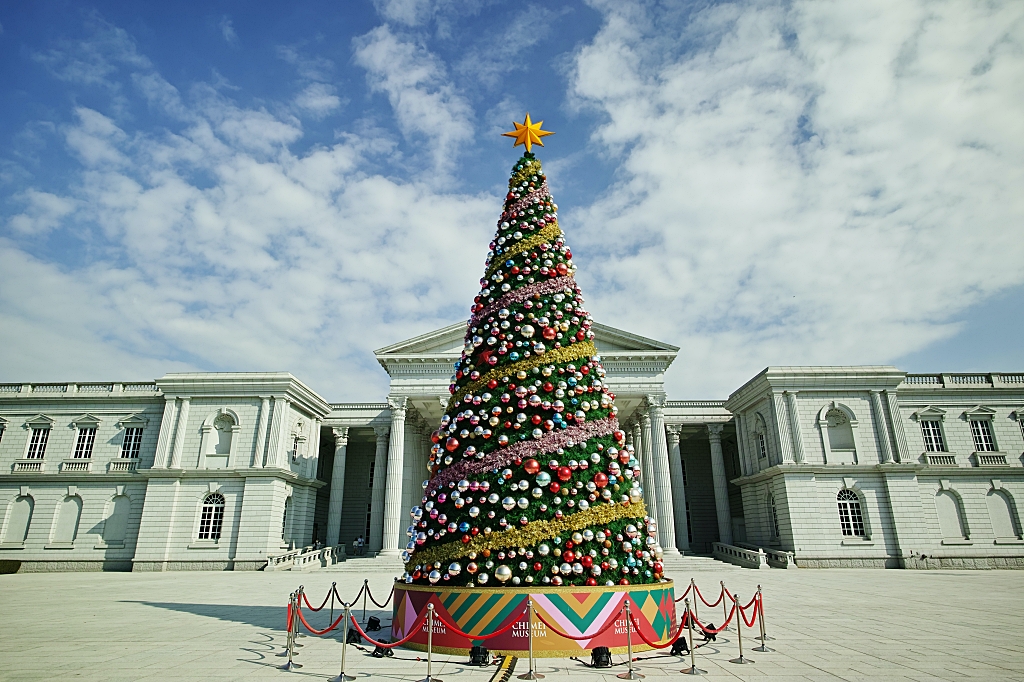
<point x="836" y="466"/>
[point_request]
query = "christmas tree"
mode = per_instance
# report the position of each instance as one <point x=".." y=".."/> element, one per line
<point x="531" y="481"/>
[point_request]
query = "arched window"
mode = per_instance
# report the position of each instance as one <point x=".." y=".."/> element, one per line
<point x="19" y="519"/>
<point x="760" y="429"/>
<point x="212" y="518"/>
<point x="850" y="518"/>
<point x="284" y="518"/>
<point x="775" y="516"/>
<point x="840" y="433"/>
<point x="67" y="520"/>
<point x="115" y="527"/>
<point x="1000" y="510"/>
<point x="951" y="521"/>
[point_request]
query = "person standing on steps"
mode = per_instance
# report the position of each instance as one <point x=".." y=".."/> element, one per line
<point x="359" y="546"/>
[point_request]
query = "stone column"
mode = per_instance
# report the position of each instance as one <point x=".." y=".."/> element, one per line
<point x="675" y="460"/>
<point x="662" y="475"/>
<point x="647" y="466"/>
<point x="165" y="437"/>
<point x="261" y="433"/>
<point x="902" y="452"/>
<point x="313" y="449"/>
<point x="781" y="419"/>
<point x="396" y="462"/>
<point x="741" y="445"/>
<point x="881" y="429"/>
<point x="721" y="484"/>
<point x="278" y="432"/>
<point x="794" y="426"/>
<point x="179" y="434"/>
<point x="380" y="464"/>
<point x="337" y="486"/>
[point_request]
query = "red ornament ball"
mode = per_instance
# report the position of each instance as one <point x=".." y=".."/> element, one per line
<point x="562" y="268"/>
<point x="564" y="473"/>
<point x="554" y="487"/>
<point x="451" y="444"/>
<point x="531" y="466"/>
<point x="568" y="556"/>
<point x="591" y="582"/>
<point x="587" y="561"/>
<point x="600" y="479"/>
<point x="623" y="582"/>
<point x="550" y="333"/>
<point x="492" y="384"/>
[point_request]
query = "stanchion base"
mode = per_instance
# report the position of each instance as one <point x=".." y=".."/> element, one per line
<point x="342" y="678"/>
<point x="740" y="660"/>
<point x="630" y="675"/>
<point x="693" y="670"/>
<point x="284" y="654"/>
<point x="763" y="649"/>
<point x="766" y="638"/>
<point x="428" y="678"/>
<point x="530" y="676"/>
<point x="290" y="665"/>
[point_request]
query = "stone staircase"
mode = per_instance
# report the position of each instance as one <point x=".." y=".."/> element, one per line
<point x="680" y="568"/>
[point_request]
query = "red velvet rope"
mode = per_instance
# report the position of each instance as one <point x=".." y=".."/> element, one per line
<point x="751" y="601"/>
<point x="753" y="614"/>
<point x="391" y="645"/>
<point x="459" y="632"/>
<point x="320" y="632"/>
<point x="370" y="594"/>
<point x="314" y="608"/>
<point x="288" y="618"/>
<point x="568" y="636"/>
<point x="715" y="631"/>
<point x="670" y="642"/>
<point x="683" y="595"/>
<point x="706" y="603"/>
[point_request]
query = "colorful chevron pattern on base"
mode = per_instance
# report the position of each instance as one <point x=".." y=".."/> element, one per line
<point x="577" y="611"/>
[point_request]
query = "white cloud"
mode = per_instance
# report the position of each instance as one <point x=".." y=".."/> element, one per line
<point x="271" y="260"/>
<point x="425" y="102"/>
<point x="227" y="29"/>
<point x="43" y="212"/>
<point x="318" y="99"/>
<point x="814" y="183"/>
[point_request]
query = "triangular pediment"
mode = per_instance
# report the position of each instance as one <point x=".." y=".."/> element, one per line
<point x="929" y="412"/>
<point x="448" y="341"/>
<point x="979" y="412"/>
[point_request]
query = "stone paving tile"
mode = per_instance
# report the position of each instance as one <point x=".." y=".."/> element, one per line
<point x="830" y="625"/>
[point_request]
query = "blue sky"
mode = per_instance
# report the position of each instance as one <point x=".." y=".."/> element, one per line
<point x="258" y="187"/>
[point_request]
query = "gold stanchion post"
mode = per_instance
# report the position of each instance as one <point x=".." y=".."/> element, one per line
<point x="430" y="644"/>
<point x="532" y="674"/>
<point x="342" y="677"/>
<point x="739" y="630"/>
<point x="693" y="669"/>
<point x="366" y="588"/>
<point x="760" y="611"/>
<point x="290" y="664"/>
<point x="725" y="609"/>
<point x="630" y="674"/>
<point x="693" y="589"/>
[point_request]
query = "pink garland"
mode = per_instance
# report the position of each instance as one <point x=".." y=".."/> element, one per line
<point x="525" y="202"/>
<point x="522" y="294"/>
<point x="503" y="457"/>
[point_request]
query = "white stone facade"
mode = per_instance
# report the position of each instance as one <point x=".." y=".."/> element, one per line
<point x="842" y="466"/>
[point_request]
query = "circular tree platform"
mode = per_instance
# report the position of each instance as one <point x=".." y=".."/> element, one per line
<point x="577" y="611"/>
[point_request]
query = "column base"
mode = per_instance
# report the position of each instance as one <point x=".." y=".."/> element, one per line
<point x="671" y="552"/>
<point x="396" y="553"/>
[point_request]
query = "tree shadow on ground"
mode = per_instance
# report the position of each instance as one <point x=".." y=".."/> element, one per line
<point x="267" y="617"/>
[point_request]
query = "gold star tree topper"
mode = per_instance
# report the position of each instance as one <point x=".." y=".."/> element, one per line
<point x="528" y="133"/>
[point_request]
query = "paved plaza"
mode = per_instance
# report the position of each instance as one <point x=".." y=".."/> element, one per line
<point x="841" y="624"/>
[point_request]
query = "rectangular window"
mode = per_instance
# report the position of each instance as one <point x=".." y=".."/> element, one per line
<point x="932" y="435"/>
<point x="683" y="462"/>
<point x="762" y="446"/>
<point x="132" y="444"/>
<point x="37" y="444"/>
<point x="850" y="519"/>
<point x="84" y="442"/>
<point x="981" y="429"/>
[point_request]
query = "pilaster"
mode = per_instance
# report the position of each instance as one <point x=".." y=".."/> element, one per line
<point x="396" y="461"/>
<point x="721" y="483"/>
<point x="678" y="488"/>
<point x="662" y="475"/>
<point x="179" y="434"/>
<point x="881" y="429"/>
<point x="337" y="498"/>
<point x="380" y="464"/>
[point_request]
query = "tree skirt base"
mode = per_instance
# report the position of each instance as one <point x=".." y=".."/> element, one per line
<point x="577" y="611"/>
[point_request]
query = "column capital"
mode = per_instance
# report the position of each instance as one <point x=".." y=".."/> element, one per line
<point x="645" y="420"/>
<point x="382" y="431"/>
<point x="398" y="406"/>
<point x="340" y="435"/>
<point x="674" y="431"/>
<point x="715" y="430"/>
<point x="656" y="401"/>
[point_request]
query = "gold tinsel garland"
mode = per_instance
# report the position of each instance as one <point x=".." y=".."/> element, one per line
<point x="547" y="233"/>
<point x="530" y="534"/>
<point x="575" y="351"/>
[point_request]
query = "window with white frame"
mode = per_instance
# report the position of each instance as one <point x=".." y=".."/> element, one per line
<point x="981" y="431"/>
<point x="295" y="448"/>
<point x="37" y="442"/>
<point x="132" y="444"/>
<point x="211" y="519"/>
<point x="84" y="442"/>
<point x="850" y="518"/>
<point x="932" y="434"/>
